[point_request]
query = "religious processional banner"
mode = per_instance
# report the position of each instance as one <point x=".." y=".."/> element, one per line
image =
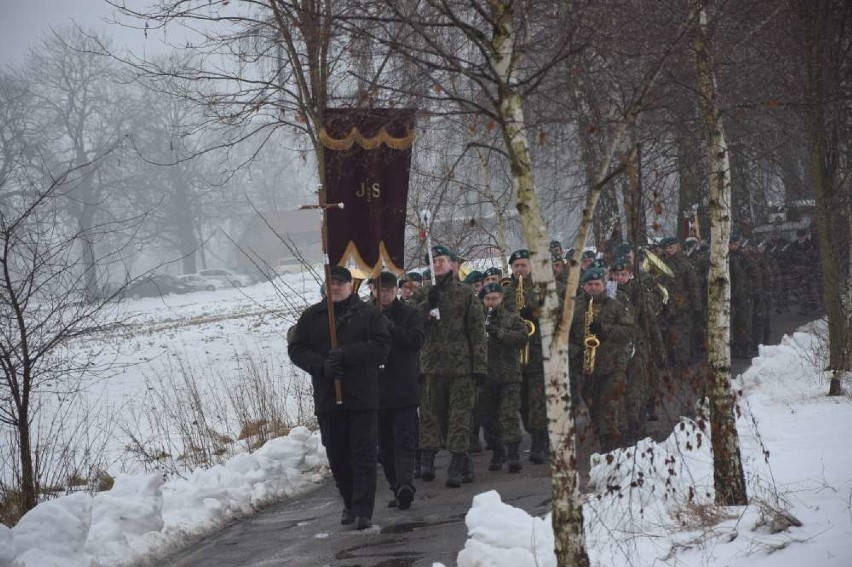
<point x="367" y="164"/>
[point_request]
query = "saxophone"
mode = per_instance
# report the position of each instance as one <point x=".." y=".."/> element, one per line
<point x="590" y="341"/>
<point x="520" y="303"/>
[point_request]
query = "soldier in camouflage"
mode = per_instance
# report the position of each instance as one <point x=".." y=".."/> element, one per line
<point x="684" y="307"/>
<point x="452" y="359"/>
<point x="500" y="396"/>
<point x="648" y="349"/>
<point x="603" y="387"/>
<point x="533" y="397"/>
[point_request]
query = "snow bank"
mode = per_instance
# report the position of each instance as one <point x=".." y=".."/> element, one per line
<point x="145" y="516"/>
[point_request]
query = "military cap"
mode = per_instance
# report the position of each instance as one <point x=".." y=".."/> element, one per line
<point x="668" y="241"/>
<point x="589" y="254"/>
<point x="622" y="264"/>
<point x="592" y="274"/>
<point x="490" y="288"/>
<point x="599" y="263"/>
<point x="569" y="254"/>
<point x="441" y="250"/>
<point x="493" y="271"/>
<point x="387" y="279"/>
<point x="519" y="255"/>
<point x="427" y="274"/>
<point x="414" y="277"/>
<point x="474" y="276"/>
<point x="622" y="249"/>
<point x="341" y="274"/>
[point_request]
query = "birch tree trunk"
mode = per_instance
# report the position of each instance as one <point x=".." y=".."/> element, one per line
<point x="728" y="478"/>
<point x="567" y="512"/>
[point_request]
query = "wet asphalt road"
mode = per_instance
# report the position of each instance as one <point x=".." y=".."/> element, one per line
<point x="306" y="531"/>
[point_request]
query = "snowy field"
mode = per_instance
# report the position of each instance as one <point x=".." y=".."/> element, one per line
<point x="795" y="450"/>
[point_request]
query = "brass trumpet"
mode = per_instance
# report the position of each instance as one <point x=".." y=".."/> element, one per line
<point x="590" y="340"/>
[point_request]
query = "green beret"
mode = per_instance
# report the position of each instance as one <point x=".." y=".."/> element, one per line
<point x="589" y="254"/>
<point x="490" y="288"/>
<point x="474" y="276"/>
<point x="521" y="254"/>
<point x="414" y="277"/>
<point x="493" y="271"/>
<point x="592" y="274"/>
<point x="441" y="250"/>
<point x="668" y="241"/>
<point x="622" y="264"/>
<point x="427" y="274"/>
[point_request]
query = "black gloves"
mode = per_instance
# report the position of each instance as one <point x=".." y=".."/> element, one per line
<point x="434" y="297"/>
<point x="596" y="329"/>
<point x="333" y="365"/>
<point x="479" y="379"/>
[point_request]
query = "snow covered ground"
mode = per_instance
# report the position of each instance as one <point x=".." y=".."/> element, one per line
<point x="795" y="450"/>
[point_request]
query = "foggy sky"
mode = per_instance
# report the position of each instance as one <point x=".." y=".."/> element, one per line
<point x="24" y="22"/>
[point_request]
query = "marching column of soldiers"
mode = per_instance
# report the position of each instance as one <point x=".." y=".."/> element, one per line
<point x="435" y="362"/>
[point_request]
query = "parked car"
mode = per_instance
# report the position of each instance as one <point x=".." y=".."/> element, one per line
<point x="289" y="266"/>
<point x="200" y="283"/>
<point x="229" y="277"/>
<point x="257" y="274"/>
<point x="156" y="285"/>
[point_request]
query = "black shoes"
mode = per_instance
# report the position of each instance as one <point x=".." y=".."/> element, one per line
<point x="346" y="518"/>
<point x="427" y="465"/>
<point x="362" y="523"/>
<point x="405" y="496"/>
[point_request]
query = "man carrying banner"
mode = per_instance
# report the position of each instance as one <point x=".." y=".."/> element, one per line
<point x="453" y="359"/>
<point x="349" y="429"/>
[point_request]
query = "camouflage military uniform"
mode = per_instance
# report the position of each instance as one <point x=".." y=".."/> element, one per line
<point x="648" y="355"/>
<point x="500" y="396"/>
<point x="453" y="351"/>
<point x="533" y="395"/>
<point x="603" y="390"/>
<point x="684" y="308"/>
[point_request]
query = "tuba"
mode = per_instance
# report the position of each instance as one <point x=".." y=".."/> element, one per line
<point x="520" y="303"/>
<point x="590" y="341"/>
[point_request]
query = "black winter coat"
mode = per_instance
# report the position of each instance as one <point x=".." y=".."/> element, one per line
<point x="398" y="381"/>
<point x="362" y="334"/>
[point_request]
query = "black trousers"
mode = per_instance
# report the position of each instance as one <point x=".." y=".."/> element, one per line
<point x="350" y="439"/>
<point x="397" y="444"/>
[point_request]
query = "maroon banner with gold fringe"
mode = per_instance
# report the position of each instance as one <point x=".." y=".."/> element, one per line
<point x="367" y="163"/>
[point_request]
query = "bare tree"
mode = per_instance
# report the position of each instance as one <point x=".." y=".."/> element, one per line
<point x="44" y="304"/>
<point x="80" y="111"/>
<point x="728" y="476"/>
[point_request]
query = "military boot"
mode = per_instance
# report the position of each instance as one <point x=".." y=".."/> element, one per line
<point x="454" y="471"/>
<point x="498" y="457"/>
<point x="514" y="457"/>
<point x="427" y="465"/>
<point x="537" y="447"/>
<point x="468" y="474"/>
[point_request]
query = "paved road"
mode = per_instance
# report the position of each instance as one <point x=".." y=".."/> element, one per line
<point x="305" y="532"/>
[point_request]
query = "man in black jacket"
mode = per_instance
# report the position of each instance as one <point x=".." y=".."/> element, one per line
<point x="348" y="430"/>
<point x="399" y="392"/>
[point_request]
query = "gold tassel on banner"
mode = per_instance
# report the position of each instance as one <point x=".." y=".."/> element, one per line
<point x="355" y="136"/>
